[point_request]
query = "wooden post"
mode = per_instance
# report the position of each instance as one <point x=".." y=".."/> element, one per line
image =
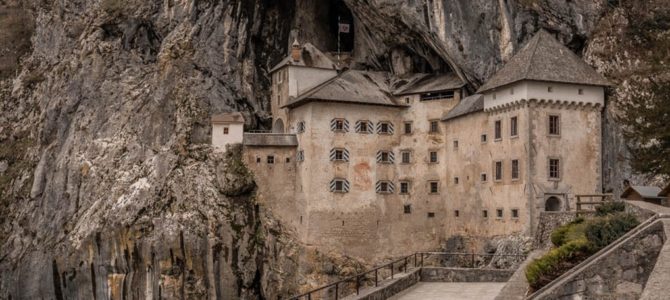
<point x="376" y="280"/>
<point x="336" y="290"/>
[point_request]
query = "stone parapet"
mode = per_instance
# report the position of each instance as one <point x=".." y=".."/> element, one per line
<point x="434" y="274"/>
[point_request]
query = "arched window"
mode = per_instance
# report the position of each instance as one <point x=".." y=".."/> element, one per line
<point x="552" y="204"/>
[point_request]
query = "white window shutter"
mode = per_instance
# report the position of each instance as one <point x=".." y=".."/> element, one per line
<point x="346" y="186"/>
<point x="379" y="127"/>
<point x="332" y="185"/>
<point x="358" y="126"/>
<point x="346" y="125"/>
<point x="379" y="156"/>
<point x="391" y="187"/>
<point x="345" y="154"/>
<point x="300" y="156"/>
<point x="390" y="128"/>
<point x="378" y="187"/>
<point x="370" y="127"/>
<point x="333" y="125"/>
<point x="332" y="154"/>
<point x="391" y="157"/>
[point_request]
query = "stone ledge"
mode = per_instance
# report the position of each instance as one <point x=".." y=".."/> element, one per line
<point x="435" y="274"/>
<point x="389" y="287"/>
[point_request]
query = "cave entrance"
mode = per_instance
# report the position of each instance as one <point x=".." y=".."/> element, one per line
<point x="340" y="22"/>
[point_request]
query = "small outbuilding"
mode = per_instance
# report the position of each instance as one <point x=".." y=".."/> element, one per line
<point x="644" y="193"/>
<point x="227" y="128"/>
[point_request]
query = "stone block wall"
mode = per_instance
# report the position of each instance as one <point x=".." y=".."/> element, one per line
<point x="548" y="222"/>
<point x="620" y="273"/>
<point x="389" y="289"/>
<point x="464" y="275"/>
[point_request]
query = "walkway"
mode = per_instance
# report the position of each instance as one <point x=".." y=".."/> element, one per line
<point x="451" y="291"/>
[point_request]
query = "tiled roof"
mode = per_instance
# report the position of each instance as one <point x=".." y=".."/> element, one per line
<point x="234" y="117"/>
<point x="351" y="86"/>
<point x="468" y="105"/>
<point x="649" y="192"/>
<point x="270" y="139"/>
<point x="545" y="59"/>
<point x="311" y="57"/>
<point x="433" y="83"/>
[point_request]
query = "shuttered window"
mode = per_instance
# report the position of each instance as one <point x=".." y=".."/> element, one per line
<point x="339" y="154"/>
<point x="385" y="127"/>
<point x="385" y="187"/>
<point x="339" y="185"/>
<point x="300" y="127"/>
<point x="339" y="125"/>
<point x="300" y="156"/>
<point x="385" y="157"/>
<point x="363" y="126"/>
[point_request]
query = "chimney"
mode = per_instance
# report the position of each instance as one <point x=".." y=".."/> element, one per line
<point x="296" y="51"/>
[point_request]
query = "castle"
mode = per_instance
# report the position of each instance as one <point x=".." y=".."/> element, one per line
<point x="361" y="160"/>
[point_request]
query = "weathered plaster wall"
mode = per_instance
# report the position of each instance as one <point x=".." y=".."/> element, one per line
<point x="539" y="90"/>
<point x="234" y="136"/>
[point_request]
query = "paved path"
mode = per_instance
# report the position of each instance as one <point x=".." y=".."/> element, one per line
<point x="451" y="290"/>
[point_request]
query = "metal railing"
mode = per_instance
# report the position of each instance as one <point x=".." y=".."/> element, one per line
<point x="417" y="258"/>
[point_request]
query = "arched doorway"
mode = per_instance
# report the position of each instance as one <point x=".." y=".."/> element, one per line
<point x="278" y="127"/>
<point x="552" y="204"/>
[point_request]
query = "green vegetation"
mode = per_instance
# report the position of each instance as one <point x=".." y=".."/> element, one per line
<point x="578" y="240"/>
<point x="610" y="208"/>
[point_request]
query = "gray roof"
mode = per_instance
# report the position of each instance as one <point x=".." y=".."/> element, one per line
<point x="270" y="139"/>
<point x="650" y="192"/>
<point x="468" y="105"/>
<point x="351" y="86"/>
<point x="234" y="117"/>
<point x="311" y="57"/>
<point x="433" y="83"/>
<point x="545" y="59"/>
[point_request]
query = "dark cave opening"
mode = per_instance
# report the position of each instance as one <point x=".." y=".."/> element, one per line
<point x="340" y="22"/>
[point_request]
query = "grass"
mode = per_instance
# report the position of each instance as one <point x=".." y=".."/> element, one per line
<point x="577" y="240"/>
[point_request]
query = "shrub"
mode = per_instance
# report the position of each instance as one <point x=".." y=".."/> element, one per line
<point x="543" y="270"/>
<point x="610" y="208"/>
<point x="603" y="231"/>
<point x="567" y="232"/>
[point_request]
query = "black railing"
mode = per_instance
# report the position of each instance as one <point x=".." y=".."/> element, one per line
<point x="464" y="260"/>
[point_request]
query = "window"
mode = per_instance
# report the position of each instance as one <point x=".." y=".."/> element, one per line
<point x="434" y="187"/>
<point x="494" y="96"/>
<point x="408" y="128"/>
<point x="434" y="126"/>
<point x="288" y="160"/>
<point x="339" y="125"/>
<point x="339" y="186"/>
<point x="580" y="92"/>
<point x="483" y="138"/>
<point x="515" y="213"/>
<point x="404" y="187"/>
<point x="457" y="213"/>
<point x="515" y="169"/>
<point x="455" y="145"/>
<point x="385" y="128"/>
<point x="406" y="156"/>
<point x="554" y="168"/>
<point x="550" y="89"/>
<point x="407" y="208"/>
<point x="364" y="126"/>
<point x="300" y="127"/>
<point x="437" y="95"/>
<point x="511" y="91"/>
<point x="225" y="130"/>
<point x="455" y="180"/>
<point x="279" y="99"/>
<point x="385" y="157"/>
<point x="498" y="130"/>
<point x="384" y="187"/>
<point x="432" y="157"/>
<point x="407" y="101"/>
<point x="271" y="159"/>
<point x="485" y="213"/>
<point x="554" y="125"/>
<point x="339" y="154"/>
<point x="499" y="213"/>
<point x="300" y="156"/>
<point x="483" y="177"/>
<point x="513" y="123"/>
<point x="498" y="170"/>
<point x="258" y="160"/>
<point x="431" y="215"/>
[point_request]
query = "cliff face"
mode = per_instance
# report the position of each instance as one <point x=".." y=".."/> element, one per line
<point x="108" y="185"/>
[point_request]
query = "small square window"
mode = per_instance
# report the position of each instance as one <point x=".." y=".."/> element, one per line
<point x="485" y="213"/>
<point x="457" y="213"/>
<point x="339" y="186"/>
<point x="406" y="157"/>
<point x="258" y="160"/>
<point x="434" y="126"/>
<point x="515" y="213"/>
<point x="455" y="180"/>
<point x="580" y="91"/>
<point x="483" y="138"/>
<point x="550" y="89"/>
<point x="384" y="128"/>
<point x="271" y="159"/>
<point x="408" y="128"/>
<point x="225" y="130"/>
<point x="433" y="156"/>
<point x="407" y="208"/>
<point x="339" y="125"/>
<point x="483" y="177"/>
<point x="404" y="187"/>
<point x="431" y="215"/>
<point x="339" y="154"/>
<point x="407" y="100"/>
<point x="456" y="145"/>
<point x="288" y="160"/>
<point x="499" y="213"/>
<point x="434" y="187"/>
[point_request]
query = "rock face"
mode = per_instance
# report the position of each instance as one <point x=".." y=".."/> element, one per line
<point x="107" y="185"/>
